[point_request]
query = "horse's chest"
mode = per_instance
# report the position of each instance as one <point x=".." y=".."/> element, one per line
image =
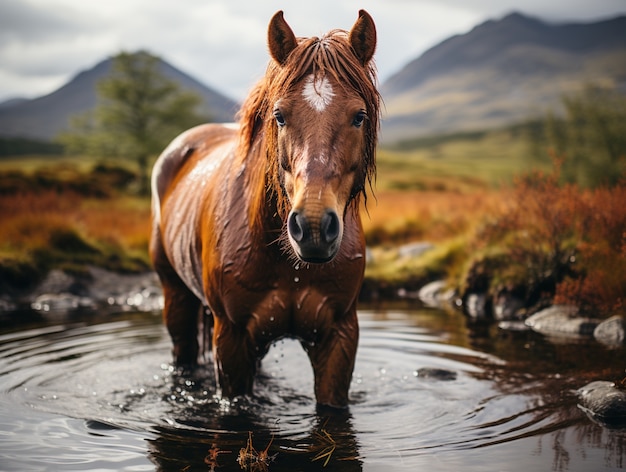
<point x="289" y="301"/>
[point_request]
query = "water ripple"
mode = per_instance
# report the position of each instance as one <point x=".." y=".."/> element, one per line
<point x="102" y="394"/>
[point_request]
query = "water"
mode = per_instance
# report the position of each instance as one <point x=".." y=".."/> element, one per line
<point x="430" y="392"/>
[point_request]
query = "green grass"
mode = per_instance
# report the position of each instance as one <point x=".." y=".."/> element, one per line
<point x="442" y="261"/>
<point x="489" y="158"/>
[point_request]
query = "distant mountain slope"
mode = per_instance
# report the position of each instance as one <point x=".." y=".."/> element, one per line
<point x="501" y="72"/>
<point x="45" y="117"/>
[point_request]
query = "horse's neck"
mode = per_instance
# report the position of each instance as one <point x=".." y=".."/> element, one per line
<point x="260" y="194"/>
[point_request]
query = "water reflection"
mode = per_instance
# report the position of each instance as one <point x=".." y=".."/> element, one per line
<point x="83" y="387"/>
<point x="331" y="439"/>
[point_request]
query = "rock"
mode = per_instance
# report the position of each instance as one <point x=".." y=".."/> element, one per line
<point x="64" y="301"/>
<point x="506" y="307"/>
<point x="435" y="373"/>
<point x="611" y="332"/>
<point x="7" y="305"/>
<point x="414" y="249"/>
<point x="92" y="289"/>
<point x="476" y="305"/>
<point x="435" y="294"/>
<point x="57" y="282"/>
<point x="369" y="256"/>
<point x="604" y="403"/>
<point x="562" y="320"/>
<point x="515" y="326"/>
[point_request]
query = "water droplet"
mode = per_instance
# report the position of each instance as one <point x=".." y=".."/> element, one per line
<point x="271" y="318"/>
<point x="296" y="279"/>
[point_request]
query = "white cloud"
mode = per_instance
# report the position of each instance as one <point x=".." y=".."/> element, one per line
<point x="222" y="42"/>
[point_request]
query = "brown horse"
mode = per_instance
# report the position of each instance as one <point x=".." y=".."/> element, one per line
<point x="260" y="222"/>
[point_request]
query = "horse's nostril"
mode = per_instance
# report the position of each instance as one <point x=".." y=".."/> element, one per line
<point x="295" y="226"/>
<point x="330" y="226"/>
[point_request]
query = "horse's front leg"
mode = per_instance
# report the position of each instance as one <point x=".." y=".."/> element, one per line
<point x="332" y="357"/>
<point x="235" y="355"/>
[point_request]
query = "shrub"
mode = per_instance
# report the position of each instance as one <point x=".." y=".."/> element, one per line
<point x="556" y="241"/>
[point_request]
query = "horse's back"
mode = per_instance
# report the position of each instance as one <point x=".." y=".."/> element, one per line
<point x="178" y="189"/>
<point x="198" y="139"/>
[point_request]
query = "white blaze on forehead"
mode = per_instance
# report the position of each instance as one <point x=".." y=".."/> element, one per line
<point x="318" y="92"/>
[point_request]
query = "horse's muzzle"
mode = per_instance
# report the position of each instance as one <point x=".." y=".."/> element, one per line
<point x="314" y="240"/>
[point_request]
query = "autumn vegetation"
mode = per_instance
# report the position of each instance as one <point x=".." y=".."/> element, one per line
<point x="62" y="216"/>
<point x="533" y="226"/>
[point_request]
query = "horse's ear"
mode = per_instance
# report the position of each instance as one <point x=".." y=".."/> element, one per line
<point x="280" y="38"/>
<point x="363" y="37"/>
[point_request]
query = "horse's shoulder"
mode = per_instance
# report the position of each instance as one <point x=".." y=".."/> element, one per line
<point x="172" y="159"/>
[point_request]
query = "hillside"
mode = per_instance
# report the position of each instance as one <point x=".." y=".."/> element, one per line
<point x="501" y="72"/>
<point x="44" y="117"/>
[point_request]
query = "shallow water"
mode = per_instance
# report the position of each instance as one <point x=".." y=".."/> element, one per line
<point x="430" y="392"/>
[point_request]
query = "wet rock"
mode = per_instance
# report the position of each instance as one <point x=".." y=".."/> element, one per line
<point x="436" y="294"/>
<point x="476" y="305"/>
<point x="513" y="326"/>
<point x="604" y="403"/>
<point x="562" y="320"/>
<point x="507" y="306"/>
<point x="7" y="305"/>
<point x="435" y="373"/>
<point x="129" y="291"/>
<point x="58" y="282"/>
<point x="612" y="331"/>
<point x="94" y="288"/>
<point x="56" y="302"/>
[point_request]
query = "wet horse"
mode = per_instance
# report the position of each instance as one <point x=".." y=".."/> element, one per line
<point x="259" y="223"/>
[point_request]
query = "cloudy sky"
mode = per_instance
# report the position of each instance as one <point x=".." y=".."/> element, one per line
<point x="44" y="43"/>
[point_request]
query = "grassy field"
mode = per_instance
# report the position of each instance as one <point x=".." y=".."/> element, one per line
<point x="492" y="228"/>
<point x="462" y="161"/>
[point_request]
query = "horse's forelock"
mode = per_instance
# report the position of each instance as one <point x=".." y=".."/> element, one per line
<point x="330" y="54"/>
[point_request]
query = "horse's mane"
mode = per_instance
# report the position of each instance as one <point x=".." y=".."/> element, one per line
<point x="258" y="135"/>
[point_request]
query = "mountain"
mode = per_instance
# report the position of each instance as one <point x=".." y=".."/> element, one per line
<point x="45" y="117"/>
<point x="501" y="72"/>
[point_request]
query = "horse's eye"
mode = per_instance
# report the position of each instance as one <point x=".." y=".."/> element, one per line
<point x="358" y="119"/>
<point x="280" y="120"/>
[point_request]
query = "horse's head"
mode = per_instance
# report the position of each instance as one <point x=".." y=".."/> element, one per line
<point x="322" y="130"/>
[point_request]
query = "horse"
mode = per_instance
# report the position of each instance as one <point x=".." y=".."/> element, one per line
<point x="256" y="229"/>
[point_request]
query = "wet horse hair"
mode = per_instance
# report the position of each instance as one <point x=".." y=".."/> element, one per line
<point x="258" y="224"/>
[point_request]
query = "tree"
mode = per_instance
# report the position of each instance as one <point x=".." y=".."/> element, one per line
<point x="139" y="112"/>
<point x="591" y="137"/>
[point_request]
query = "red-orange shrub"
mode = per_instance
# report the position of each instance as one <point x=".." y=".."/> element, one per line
<point x="561" y="241"/>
